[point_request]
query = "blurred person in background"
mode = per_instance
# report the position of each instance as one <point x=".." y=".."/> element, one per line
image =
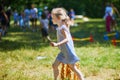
<point x="115" y="14"/>
<point x="33" y="17"/>
<point x="3" y="20"/>
<point x="72" y="15"/>
<point x="108" y="17"/>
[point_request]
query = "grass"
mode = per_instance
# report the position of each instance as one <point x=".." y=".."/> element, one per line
<point x="19" y="50"/>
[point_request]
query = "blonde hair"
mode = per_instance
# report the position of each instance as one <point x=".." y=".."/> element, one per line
<point x="61" y="14"/>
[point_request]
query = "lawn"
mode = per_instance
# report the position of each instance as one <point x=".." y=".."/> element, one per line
<point x="19" y="53"/>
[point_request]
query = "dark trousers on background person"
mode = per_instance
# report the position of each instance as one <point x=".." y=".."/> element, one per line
<point x="108" y="23"/>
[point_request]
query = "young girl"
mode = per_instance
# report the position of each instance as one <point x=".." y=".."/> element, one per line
<point x="67" y="53"/>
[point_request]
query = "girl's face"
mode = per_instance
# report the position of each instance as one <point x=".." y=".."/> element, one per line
<point x="54" y="19"/>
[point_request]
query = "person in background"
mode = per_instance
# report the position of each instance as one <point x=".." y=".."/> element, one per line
<point x="39" y="13"/>
<point x="72" y="15"/>
<point x="108" y="17"/>
<point x="51" y="25"/>
<point x="46" y="11"/>
<point x="115" y="13"/>
<point x="33" y="17"/>
<point x="44" y="22"/>
<point x="21" y="21"/>
<point x="27" y="18"/>
<point x="4" y="20"/>
<point x="15" y="17"/>
<point x="9" y="13"/>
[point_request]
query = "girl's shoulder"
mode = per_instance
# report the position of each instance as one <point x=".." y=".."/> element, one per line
<point x="63" y="27"/>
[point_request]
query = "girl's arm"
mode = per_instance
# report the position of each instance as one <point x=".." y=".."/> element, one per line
<point x="63" y="41"/>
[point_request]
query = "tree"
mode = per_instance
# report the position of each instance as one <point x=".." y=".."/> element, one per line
<point x="90" y="8"/>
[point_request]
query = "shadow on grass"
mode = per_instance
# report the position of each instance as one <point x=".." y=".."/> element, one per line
<point x="8" y="45"/>
<point x="16" y="39"/>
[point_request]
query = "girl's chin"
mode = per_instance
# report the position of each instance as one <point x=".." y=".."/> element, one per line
<point x="54" y="23"/>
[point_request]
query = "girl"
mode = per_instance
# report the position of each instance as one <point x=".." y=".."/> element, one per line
<point x="65" y="43"/>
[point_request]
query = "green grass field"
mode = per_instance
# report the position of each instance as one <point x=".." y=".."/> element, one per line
<point x="99" y="60"/>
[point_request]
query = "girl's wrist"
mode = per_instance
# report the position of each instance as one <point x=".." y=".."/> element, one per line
<point x="58" y="44"/>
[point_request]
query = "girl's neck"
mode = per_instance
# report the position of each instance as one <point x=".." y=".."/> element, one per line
<point x="61" y="23"/>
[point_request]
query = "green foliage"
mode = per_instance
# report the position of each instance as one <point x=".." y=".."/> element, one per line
<point x="90" y="8"/>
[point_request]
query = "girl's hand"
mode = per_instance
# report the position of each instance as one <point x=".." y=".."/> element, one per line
<point x="54" y="44"/>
